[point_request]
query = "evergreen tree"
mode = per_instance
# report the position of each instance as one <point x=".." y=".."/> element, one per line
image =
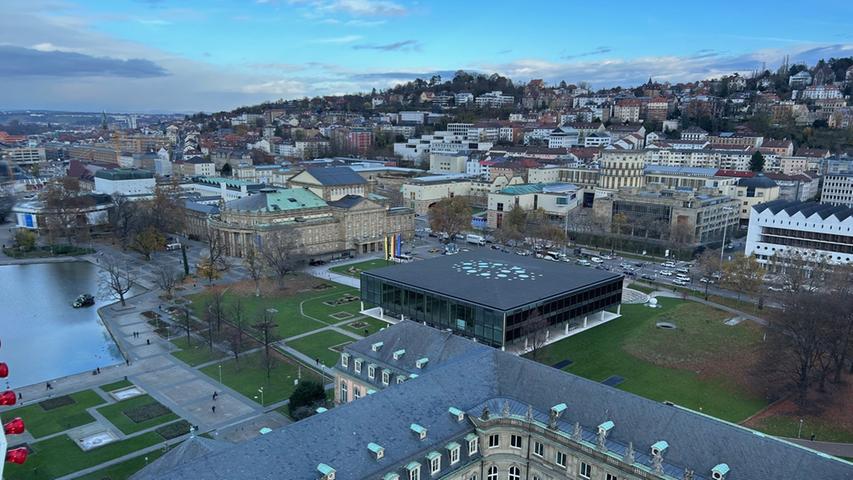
<point x="756" y="163"/>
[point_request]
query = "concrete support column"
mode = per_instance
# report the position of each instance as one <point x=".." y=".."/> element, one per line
<point x="619" y="309"/>
<point x="585" y="319"/>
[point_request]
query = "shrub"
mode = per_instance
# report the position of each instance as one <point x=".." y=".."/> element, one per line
<point x="146" y="412"/>
<point x="57" y="402"/>
<point x="174" y="429"/>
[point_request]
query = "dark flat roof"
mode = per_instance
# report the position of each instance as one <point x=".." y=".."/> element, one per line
<point x="494" y="279"/>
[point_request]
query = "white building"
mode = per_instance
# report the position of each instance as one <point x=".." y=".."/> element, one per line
<point x="821" y="92"/>
<point x="837" y="189"/>
<point x="463" y="98"/>
<point x="494" y="99"/>
<point x="131" y="183"/>
<point x="817" y="230"/>
<point x="555" y="199"/>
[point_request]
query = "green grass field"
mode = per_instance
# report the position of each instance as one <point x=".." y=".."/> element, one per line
<point x="59" y="456"/>
<point x="115" y="413"/>
<point x="355" y="269"/>
<point x="317" y="345"/>
<point x="123" y="470"/>
<point x="42" y="422"/>
<point x="196" y="353"/>
<point x="788" y="426"/>
<point x="249" y="374"/>
<point x="297" y="314"/>
<point x="662" y="364"/>
<point x="111" y="387"/>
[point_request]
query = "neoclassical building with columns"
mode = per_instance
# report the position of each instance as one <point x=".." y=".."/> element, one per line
<point x="316" y="228"/>
<point x="458" y="410"/>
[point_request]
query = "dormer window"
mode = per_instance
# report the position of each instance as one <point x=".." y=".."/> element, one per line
<point x="399" y="354"/>
<point x="720" y="471"/>
<point x="400" y="379"/>
<point x="420" y="431"/>
<point x="327" y="472"/>
<point x="456" y="413"/>
<point x="414" y="469"/>
<point x="376" y="346"/>
<point x="345" y="360"/>
<point x="422" y="362"/>
<point x="391" y="476"/>
<point x="453" y="452"/>
<point x="386" y="377"/>
<point x="434" y="459"/>
<point x="659" y="448"/>
<point x="473" y="443"/>
<point x="357" y="365"/>
<point x="371" y="371"/>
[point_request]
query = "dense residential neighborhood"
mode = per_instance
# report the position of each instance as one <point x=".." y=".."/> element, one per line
<point x="588" y="268"/>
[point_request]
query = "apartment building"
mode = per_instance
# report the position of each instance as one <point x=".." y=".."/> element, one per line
<point x="837" y="189"/>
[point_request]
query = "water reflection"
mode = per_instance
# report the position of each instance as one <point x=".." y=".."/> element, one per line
<point x="43" y="336"/>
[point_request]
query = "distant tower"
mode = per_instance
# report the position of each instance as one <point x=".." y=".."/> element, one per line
<point x="104" y="125"/>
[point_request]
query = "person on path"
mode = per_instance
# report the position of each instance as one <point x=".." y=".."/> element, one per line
<point x="148" y="341"/>
<point x="215" y="395"/>
<point x="213" y="408"/>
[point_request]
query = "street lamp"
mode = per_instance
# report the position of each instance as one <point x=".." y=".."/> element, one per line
<point x="220" y="374"/>
<point x="725" y="227"/>
<point x="261" y="391"/>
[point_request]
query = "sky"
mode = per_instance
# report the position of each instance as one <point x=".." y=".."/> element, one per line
<point x="210" y="55"/>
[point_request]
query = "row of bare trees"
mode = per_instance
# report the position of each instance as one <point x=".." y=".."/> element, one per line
<point x="809" y="338"/>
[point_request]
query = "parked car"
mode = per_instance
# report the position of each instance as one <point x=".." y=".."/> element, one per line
<point x="666" y="273"/>
<point x="316" y="263"/>
<point x="596" y="260"/>
<point x="646" y="276"/>
<point x="679" y="282"/>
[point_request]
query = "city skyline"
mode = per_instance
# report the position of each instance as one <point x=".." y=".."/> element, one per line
<point x="164" y="56"/>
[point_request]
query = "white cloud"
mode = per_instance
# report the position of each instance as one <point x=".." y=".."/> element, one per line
<point x="343" y="39"/>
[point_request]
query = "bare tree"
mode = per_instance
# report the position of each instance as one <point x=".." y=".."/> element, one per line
<point x="536" y="328"/>
<point x="65" y="206"/>
<point x="706" y="265"/>
<point x="239" y="328"/>
<point x="266" y="327"/>
<point x="278" y="254"/>
<point x="118" y="279"/>
<point x="254" y="263"/>
<point x="216" y="307"/>
<point x="451" y="216"/>
<point x="123" y="219"/>
<point x="210" y="318"/>
<point x="187" y="324"/>
<point x="166" y="279"/>
<point x="743" y="274"/>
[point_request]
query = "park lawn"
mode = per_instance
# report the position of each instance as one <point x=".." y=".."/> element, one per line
<point x="59" y="456"/>
<point x="289" y="318"/>
<point x="604" y="351"/>
<point x="123" y="470"/>
<point x="641" y="288"/>
<point x="115" y="413"/>
<point x="318" y="345"/>
<point x="111" y="387"/>
<point x="788" y="426"/>
<point x="250" y="374"/>
<point x="355" y="269"/>
<point x="372" y="325"/>
<point x="42" y="422"/>
<point x="197" y="353"/>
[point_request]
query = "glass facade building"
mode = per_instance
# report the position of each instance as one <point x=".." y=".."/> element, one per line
<point x="490" y="323"/>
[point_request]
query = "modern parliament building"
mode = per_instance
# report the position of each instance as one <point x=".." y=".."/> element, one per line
<point x="495" y="298"/>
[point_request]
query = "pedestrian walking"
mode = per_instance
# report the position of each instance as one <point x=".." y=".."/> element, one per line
<point x="215" y="395"/>
<point x="20" y="397"/>
<point x="317" y="360"/>
<point x="99" y="370"/>
<point x="213" y="408"/>
<point x="812" y="437"/>
<point x="127" y="361"/>
<point x="148" y="341"/>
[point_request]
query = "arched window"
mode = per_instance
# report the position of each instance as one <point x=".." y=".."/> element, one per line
<point x="493" y="473"/>
<point x="514" y="473"/>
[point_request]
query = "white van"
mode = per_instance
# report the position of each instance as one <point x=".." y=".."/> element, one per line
<point x="475" y="239"/>
<point x="173" y="246"/>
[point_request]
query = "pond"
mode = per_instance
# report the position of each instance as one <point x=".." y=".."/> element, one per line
<point x="43" y="336"/>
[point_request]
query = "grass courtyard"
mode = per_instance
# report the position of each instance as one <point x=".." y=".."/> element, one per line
<point x="59" y="456"/>
<point x="196" y="352"/>
<point x="355" y="269"/>
<point x="299" y="310"/>
<point x="702" y="364"/>
<point x="323" y="345"/>
<point x="136" y="414"/>
<point x="249" y="374"/>
<point x="63" y="413"/>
